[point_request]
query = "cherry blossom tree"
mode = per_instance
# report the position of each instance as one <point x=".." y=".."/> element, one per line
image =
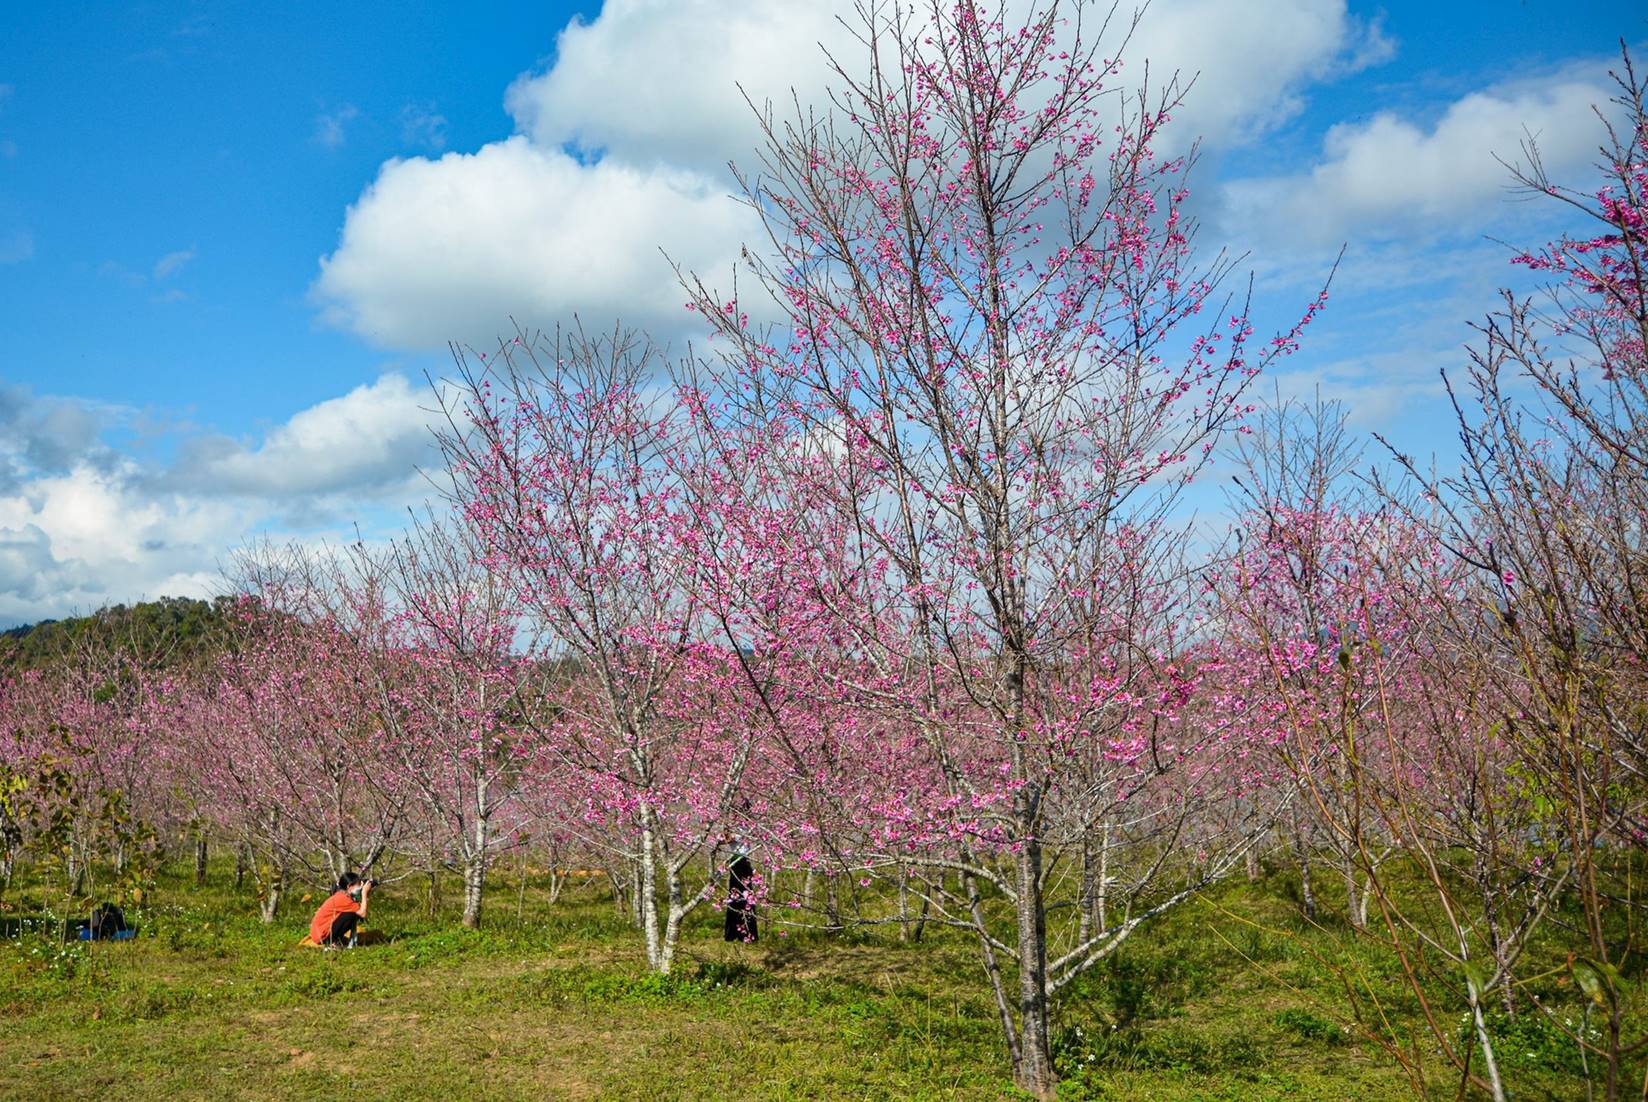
<point x="287" y="733"/>
<point x="1548" y="509"/>
<point x="453" y="685"/>
<point x="982" y="273"/>
<point x="566" y="474"/>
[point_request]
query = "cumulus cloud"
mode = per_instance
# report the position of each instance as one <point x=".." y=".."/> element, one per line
<point x="1389" y="174"/>
<point x="365" y="443"/>
<point x="83" y="524"/>
<point x="658" y="81"/>
<point x="93" y="535"/>
<point x="622" y="143"/>
<point x="28" y="573"/>
<point x="45" y="434"/>
<point x="1248" y="65"/>
<point x="437" y="250"/>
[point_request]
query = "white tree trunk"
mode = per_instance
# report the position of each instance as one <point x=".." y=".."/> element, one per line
<point x="647" y="891"/>
<point x="474" y="873"/>
<point x="270" y="903"/>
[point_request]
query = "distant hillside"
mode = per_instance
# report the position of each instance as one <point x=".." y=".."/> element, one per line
<point x="166" y="632"/>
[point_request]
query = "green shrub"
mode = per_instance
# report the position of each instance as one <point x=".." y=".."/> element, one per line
<point x="1308" y="1026"/>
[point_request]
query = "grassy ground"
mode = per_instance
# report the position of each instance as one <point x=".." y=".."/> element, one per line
<point x="1231" y="998"/>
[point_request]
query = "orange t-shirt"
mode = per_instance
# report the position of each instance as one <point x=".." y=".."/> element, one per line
<point x="339" y="902"/>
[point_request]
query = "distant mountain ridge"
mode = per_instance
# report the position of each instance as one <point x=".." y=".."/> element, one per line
<point x="163" y="632"/>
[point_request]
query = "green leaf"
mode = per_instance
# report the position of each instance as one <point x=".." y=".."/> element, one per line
<point x="1594" y="980"/>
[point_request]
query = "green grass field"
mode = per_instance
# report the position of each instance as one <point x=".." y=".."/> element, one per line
<point x="1234" y="997"/>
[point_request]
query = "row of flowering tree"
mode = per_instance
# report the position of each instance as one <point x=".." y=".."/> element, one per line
<point x="893" y="582"/>
<point x="1449" y="668"/>
<point x="910" y="530"/>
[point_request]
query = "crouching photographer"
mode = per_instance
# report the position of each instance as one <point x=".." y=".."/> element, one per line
<point x="337" y="923"/>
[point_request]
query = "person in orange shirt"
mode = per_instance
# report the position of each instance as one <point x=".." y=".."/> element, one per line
<point x="339" y="917"/>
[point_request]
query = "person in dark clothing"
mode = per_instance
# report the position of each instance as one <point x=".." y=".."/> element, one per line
<point x="740" y="919"/>
<point x="107" y="923"/>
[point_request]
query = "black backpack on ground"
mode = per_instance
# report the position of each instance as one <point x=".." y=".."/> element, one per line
<point x="106" y="921"/>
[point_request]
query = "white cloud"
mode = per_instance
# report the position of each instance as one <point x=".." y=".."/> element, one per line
<point x="45" y="434"/>
<point x="92" y="536"/>
<point x="365" y="443"/>
<point x="28" y="573"/>
<point x="83" y="525"/>
<point x="437" y="250"/>
<point x="1249" y="64"/>
<point x="647" y="95"/>
<point x="329" y="125"/>
<point x="172" y="263"/>
<point x="652" y="81"/>
<point x="656" y="81"/>
<point x="1389" y="175"/>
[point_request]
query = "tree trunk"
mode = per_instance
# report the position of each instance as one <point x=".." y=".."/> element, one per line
<point x="992" y="967"/>
<point x="270" y="903"/>
<point x="10" y="835"/>
<point x="646" y="890"/>
<point x="337" y="862"/>
<point x="1355" y="908"/>
<point x="474" y="881"/>
<point x="521" y="871"/>
<point x="474" y="872"/>
<point x="1095" y="884"/>
<point x="672" y="926"/>
<point x="832" y="904"/>
<point x="10" y="841"/>
<point x="200" y="858"/>
<point x="242" y="859"/>
<point x="926" y="905"/>
<point x="1087" y="895"/>
<point x="1101" y="901"/>
<point x="1484" y="1042"/>
<point x="76" y="868"/>
<point x="1033" y="1071"/>
<point x="1307" y="891"/>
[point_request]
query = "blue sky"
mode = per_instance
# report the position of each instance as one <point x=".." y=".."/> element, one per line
<point x="232" y="239"/>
